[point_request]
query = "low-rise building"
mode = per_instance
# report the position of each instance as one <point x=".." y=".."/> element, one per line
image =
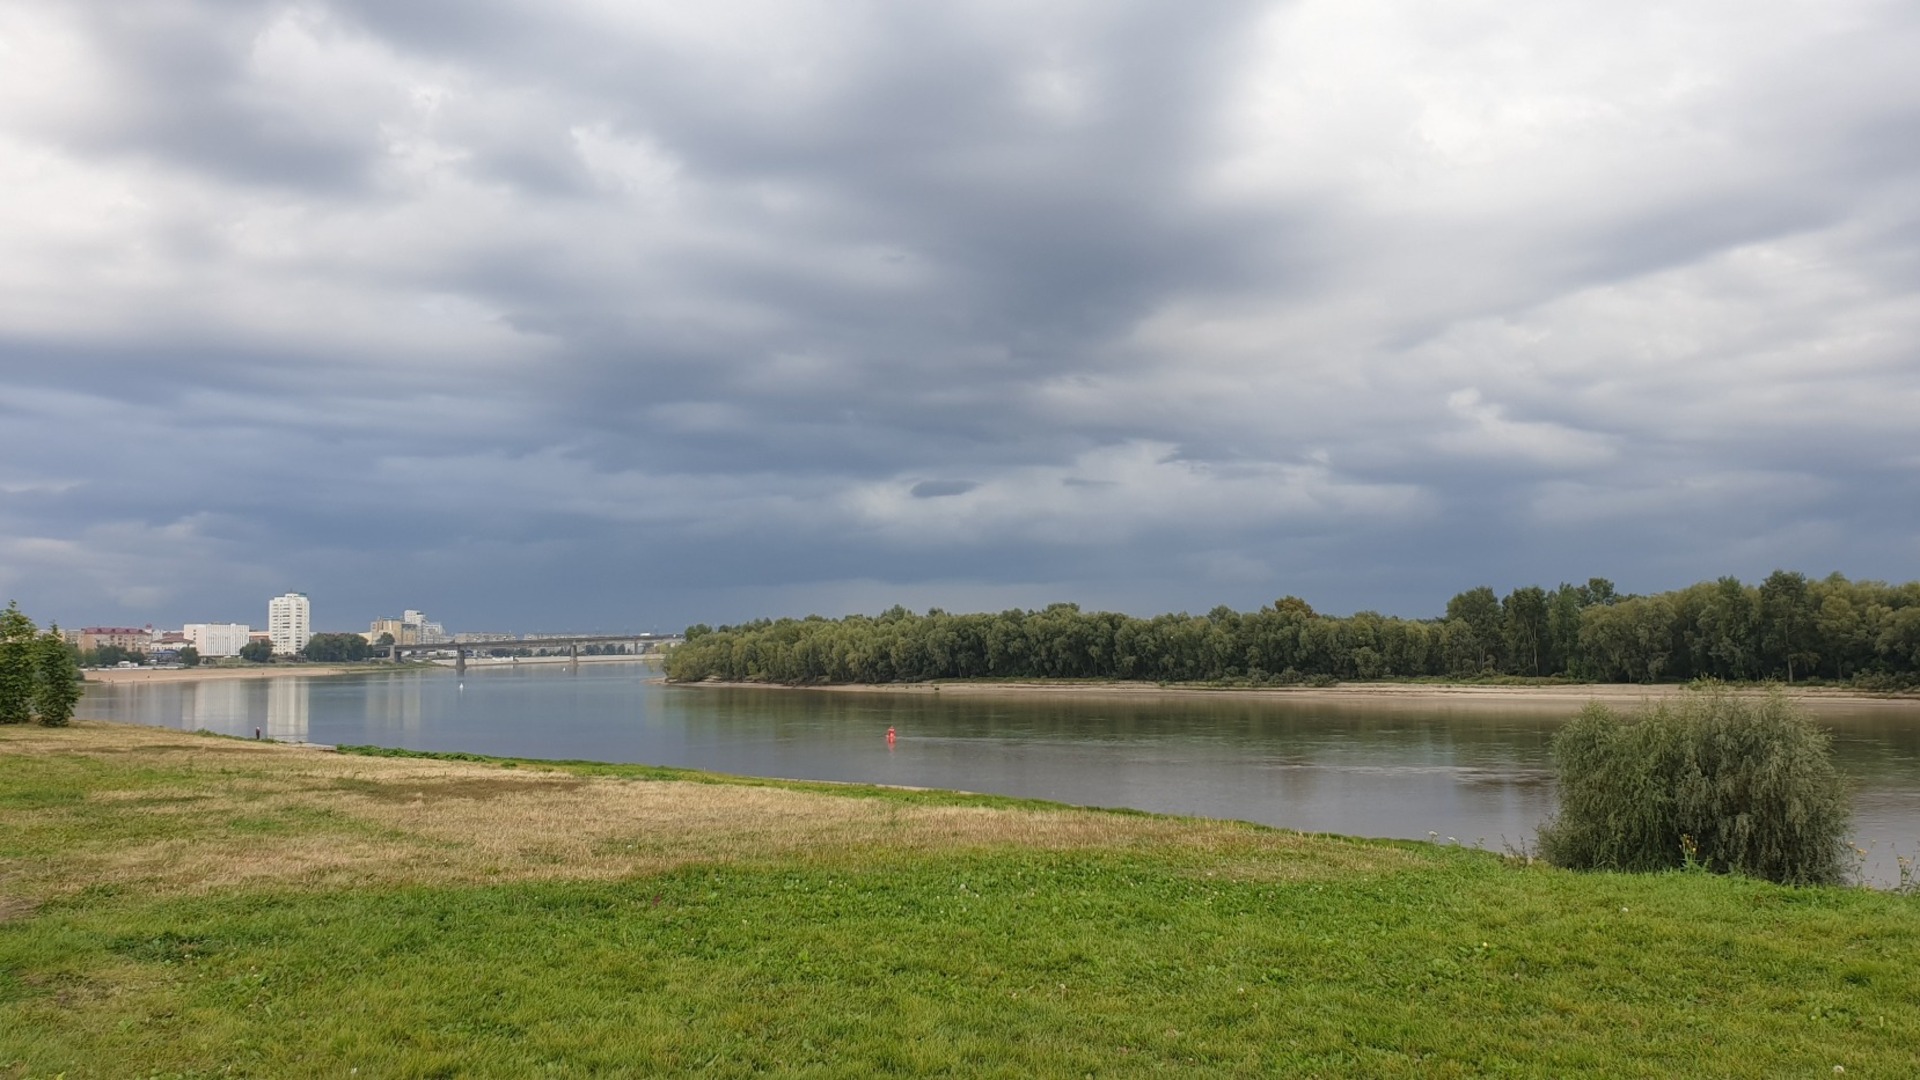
<point x="411" y="628"/>
<point x="217" y="639"/>
<point x="131" y="638"/>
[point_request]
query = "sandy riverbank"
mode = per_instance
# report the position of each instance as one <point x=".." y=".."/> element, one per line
<point x="1424" y="695"/>
<point x="198" y="674"/>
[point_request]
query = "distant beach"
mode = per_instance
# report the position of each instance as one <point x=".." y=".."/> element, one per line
<point x="196" y="674"/>
<point x="1816" y="699"/>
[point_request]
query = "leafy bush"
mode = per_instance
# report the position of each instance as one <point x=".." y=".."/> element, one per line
<point x="1730" y="785"/>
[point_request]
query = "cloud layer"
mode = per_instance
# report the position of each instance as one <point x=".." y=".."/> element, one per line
<point x="629" y="315"/>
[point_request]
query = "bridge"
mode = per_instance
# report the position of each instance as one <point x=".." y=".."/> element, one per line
<point x="571" y="642"/>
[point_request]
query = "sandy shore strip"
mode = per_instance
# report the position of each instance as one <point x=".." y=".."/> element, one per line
<point x="197" y="674"/>
<point x="1422" y="695"/>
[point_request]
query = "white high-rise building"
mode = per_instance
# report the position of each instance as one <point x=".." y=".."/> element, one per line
<point x="216" y="639"/>
<point x="289" y="622"/>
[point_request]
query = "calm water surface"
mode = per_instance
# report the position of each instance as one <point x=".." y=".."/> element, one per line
<point x="1479" y="774"/>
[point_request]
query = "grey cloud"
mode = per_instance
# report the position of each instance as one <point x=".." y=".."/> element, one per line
<point x="940" y="489"/>
<point x="463" y="305"/>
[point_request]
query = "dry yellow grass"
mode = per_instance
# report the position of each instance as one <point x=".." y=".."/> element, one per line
<point x="177" y="814"/>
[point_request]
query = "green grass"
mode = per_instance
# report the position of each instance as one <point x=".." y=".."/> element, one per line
<point x="1155" y="958"/>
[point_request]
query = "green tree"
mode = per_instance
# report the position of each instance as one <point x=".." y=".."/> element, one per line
<point x="1563" y="632"/>
<point x="336" y="648"/>
<point x="1727" y="627"/>
<point x="17" y="665"/>
<point x="189" y="656"/>
<point x="1479" y="608"/>
<point x="1786" y="613"/>
<point x="1525" y="628"/>
<point x="57" y="687"/>
<point x="1598" y="591"/>
<point x="1631" y="640"/>
<point x="257" y="652"/>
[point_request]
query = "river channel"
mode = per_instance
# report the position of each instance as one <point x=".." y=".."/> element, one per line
<point x="1468" y="773"/>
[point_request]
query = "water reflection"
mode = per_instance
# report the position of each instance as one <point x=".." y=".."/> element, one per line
<point x="1366" y="768"/>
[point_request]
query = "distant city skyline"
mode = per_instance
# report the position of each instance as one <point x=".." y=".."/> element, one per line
<point x="633" y="316"/>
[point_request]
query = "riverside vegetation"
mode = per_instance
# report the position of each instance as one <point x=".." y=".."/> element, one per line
<point x="39" y="672"/>
<point x="184" y="906"/>
<point x="1711" y="782"/>
<point x="1863" y="633"/>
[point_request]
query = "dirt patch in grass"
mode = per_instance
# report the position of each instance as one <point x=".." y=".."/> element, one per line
<point x="15" y="907"/>
<point x="475" y="788"/>
<point x="189" y="816"/>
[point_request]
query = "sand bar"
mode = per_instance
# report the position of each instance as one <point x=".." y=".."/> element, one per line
<point x="1425" y="695"/>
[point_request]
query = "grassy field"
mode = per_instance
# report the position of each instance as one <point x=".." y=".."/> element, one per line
<point x="175" y="905"/>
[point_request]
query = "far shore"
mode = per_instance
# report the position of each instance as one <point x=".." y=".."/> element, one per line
<point x="1572" y="695"/>
<point x="196" y="674"/>
<point x="277" y="671"/>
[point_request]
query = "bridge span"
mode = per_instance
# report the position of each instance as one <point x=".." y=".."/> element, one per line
<point x="571" y="642"/>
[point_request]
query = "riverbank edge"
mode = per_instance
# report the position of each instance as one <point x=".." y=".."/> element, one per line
<point x="1814" y="699"/>
<point x="202" y="674"/>
<point x="280" y="671"/>
<point x="1328" y="954"/>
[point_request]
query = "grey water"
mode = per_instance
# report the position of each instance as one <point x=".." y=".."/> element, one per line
<point x="1472" y="773"/>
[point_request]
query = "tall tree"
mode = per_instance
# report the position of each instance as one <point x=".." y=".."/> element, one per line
<point x="1563" y="631"/>
<point x="1525" y="628"/>
<point x="57" y="689"/>
<point x="1786" y="613"/>
<point x="17" y="672"/>
<point x="1479" y="608"/>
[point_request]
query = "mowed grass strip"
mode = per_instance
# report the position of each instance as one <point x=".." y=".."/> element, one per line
<point x="732" y="929"/>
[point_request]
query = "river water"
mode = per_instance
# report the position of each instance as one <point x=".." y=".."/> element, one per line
<point x="1470" y="773"/>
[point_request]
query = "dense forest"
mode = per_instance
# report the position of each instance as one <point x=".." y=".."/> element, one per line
<point x="1786" y="628"/>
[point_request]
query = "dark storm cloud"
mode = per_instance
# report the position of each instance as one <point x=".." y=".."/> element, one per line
<point x="524" y="313"/>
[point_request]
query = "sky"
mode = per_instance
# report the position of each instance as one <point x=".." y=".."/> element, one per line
<point x="623" y="315"/>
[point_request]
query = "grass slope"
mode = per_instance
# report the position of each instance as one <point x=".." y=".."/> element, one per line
<point x="182" y="906"/>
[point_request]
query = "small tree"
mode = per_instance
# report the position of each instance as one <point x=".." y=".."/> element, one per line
<point x="17" y="675"/>
<point x="1729" y="785"/>
<point x="189" y="656"/>
<point x="257" y="652"/>
<point x="57" y="687"/>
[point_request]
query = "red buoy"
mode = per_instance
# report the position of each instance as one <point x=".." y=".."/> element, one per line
<point x="889" y="736"/>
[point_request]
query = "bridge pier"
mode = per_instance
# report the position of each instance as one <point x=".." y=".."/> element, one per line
<point x="573" y="657"/>
<point x="459" y="660"/>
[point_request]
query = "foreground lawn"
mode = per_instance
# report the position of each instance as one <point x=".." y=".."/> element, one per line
<point x="186" y="906"/>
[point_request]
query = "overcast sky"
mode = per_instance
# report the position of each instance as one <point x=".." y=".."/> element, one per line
<point x="586" y="314"/>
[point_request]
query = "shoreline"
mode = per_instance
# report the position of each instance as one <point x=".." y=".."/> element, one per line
<point x="281" y="671"/>
<point x="265" y="671"/>
<point x="1814" y="699"/>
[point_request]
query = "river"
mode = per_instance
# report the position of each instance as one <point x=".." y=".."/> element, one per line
<point x="1467" y="773"/>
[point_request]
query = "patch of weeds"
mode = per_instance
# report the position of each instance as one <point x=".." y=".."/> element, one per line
<point x="39" y="798"/>
<point x="166" y="947"/>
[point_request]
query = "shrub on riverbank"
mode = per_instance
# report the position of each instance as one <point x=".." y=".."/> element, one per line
<point x="1714" y="781"/>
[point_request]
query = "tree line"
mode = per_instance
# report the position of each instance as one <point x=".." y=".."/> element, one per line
<point x="39" y="672"/>
<point x="1788" y="627"/>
